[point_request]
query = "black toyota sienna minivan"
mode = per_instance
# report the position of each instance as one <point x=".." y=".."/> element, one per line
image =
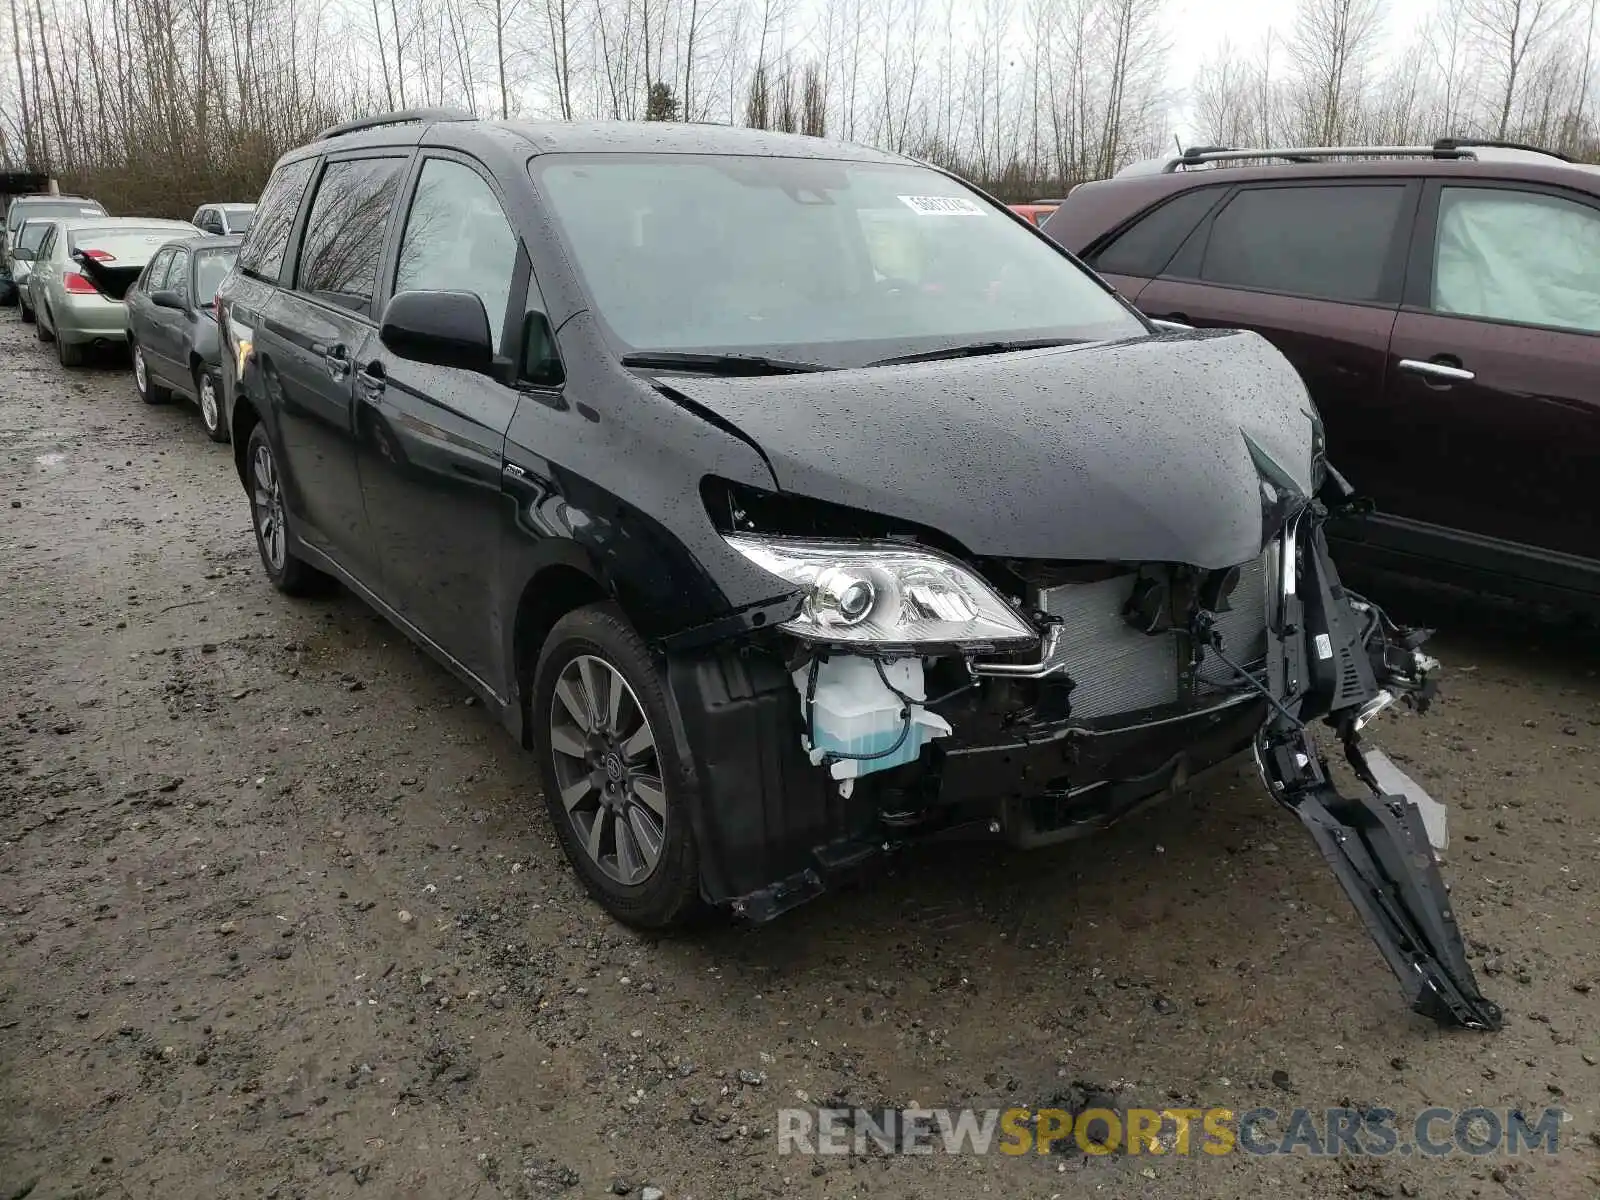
<point x="793" y="501"/>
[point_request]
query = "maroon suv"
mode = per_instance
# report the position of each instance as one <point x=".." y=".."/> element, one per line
<point x="1442" y="304"/>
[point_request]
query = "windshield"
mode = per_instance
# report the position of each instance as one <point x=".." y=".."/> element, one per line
<point x="32" y="234"/>
<point x="240" y="219"/>
<point x="120" y="247"/>
<point x="210" y="266"/>
<point x="826" y="261"/>
<point x="23" y="209"/>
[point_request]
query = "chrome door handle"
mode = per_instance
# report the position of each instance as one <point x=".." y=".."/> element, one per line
<point x="1437" y="371"/>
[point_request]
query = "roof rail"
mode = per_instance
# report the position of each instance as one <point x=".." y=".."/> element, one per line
<point x="1491" y="144"/>
<point x="407" y="116"/>
<point x="1443" y="148"/>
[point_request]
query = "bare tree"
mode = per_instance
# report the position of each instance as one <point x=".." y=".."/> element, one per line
<point x="1509" y="31"/>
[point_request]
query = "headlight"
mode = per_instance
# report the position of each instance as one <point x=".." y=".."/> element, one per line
<point x="880" y="593"/>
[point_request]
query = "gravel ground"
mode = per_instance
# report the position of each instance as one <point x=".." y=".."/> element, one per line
<point x="281" y="915"/>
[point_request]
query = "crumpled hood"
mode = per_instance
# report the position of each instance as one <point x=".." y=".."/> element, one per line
<point x="1135" y="451"/>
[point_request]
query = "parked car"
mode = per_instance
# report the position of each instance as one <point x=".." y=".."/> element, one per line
<point x="19" y="259"/>
<point x="776" y="555"/>
<point x="1442" y="304"/>
<point x="224" y="219"/>
<point x="46" y="204"/>
<point x="1037" y="211"/>
<point x="172" y="327"/>
<point x="80" y="273"/>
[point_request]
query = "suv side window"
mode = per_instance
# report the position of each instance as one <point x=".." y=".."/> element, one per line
<point x="1525" y="257"/>
<point x="1144" y="248"/>
<point x="262" y="252"/>
<point x="457" y="239"/>
<point x="344" y="233"/>
<point x="1329" y="242"/>
<point x="178" y="275"/>
<point x="156" y="274"/>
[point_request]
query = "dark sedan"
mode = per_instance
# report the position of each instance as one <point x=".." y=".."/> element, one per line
<point x="172" y="328"/>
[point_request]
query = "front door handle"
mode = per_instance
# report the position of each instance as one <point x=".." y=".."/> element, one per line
<point x="1437" y="373"/>
<point x="371" y="381"/>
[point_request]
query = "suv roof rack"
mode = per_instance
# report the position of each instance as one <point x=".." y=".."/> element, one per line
<point x="1443" y="148"/>
<point x="405" y="116"/>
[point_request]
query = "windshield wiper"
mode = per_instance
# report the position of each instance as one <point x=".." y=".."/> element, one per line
<point x="973" y="349"/>
<point x="718" y="364"/>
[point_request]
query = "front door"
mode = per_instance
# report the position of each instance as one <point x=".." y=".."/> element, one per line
<point x="1495" y="369"/>
<point x="315" y="334"/>
<point x="432" y="439"/>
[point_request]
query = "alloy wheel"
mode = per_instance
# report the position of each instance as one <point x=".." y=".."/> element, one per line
<point x="208" y="402"/>
<point x="607" y="769"/>
<point x="268" y="495"/>
<point x="141" y="378"/>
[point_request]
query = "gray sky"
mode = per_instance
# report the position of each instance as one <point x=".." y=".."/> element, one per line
<point x="1198" y="28"/>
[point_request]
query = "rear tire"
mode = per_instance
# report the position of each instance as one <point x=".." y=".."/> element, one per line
<point x="40" y="332"/>
<point x="289" y="573"/>
<point x="71" y="354"/>
<point x="149" y="391"/>
<point x="617" y="793"/>
<point x="208" y="399"/>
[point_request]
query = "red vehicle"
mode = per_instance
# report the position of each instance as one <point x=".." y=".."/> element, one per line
<point x="1036" y="212"/>
<point x="1442" y="304"/>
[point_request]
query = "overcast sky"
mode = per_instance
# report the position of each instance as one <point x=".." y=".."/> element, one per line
<point x="1198" y="28"/>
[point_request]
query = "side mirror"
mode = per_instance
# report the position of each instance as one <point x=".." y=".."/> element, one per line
<point x="166" y="298"/>
<point x="22" y="254"/>
<point x="446" y="329"/>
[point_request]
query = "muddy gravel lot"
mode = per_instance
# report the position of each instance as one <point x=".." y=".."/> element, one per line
<point x="281" y="914"/>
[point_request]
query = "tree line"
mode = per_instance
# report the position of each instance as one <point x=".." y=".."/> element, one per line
<point x="157" y="105"/>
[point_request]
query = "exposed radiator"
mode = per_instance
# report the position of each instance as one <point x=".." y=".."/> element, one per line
<point x="1117" y="669"/>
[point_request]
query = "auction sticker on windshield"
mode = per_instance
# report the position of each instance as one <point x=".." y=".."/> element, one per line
<point x="942" y="206"/>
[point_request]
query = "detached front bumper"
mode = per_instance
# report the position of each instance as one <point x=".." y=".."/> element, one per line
<point x="1016" y="761"/>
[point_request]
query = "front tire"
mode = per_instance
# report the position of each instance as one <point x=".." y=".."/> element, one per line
<point x="289" y="573"/>
<point x="149" y="391"/>
<point x="614" y="786"/>
<point x="24" y="313"/>
<point x="208" y="398"/>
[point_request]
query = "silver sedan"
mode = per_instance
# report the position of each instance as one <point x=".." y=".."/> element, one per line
<point x="80" y="273"/>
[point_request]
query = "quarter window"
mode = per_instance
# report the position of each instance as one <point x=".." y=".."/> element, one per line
<point x="262" y="253"/>
<point x="1144" y="249"/>
<point x="457" y="239"/>
<point x="1517" y="256"/>
<point x="344" y="233"/>
<point x="1331" y="243"/>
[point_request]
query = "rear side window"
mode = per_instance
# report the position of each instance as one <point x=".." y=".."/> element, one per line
<point x="1145" y="247"/>
<point x="262" y="253"/>
<point x="344" y="233"/>
<point x="1331" y="243"/>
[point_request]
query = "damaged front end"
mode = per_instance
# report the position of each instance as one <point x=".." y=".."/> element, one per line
<point x="913" y="693"/>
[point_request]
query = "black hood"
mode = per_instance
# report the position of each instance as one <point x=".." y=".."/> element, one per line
<point x="1150" y="450"/>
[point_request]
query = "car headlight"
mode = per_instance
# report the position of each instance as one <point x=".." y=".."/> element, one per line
<point x="881" y="593"/>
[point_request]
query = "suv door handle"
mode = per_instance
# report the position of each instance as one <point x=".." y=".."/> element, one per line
<point x="1437" y="373"/>
<point x="371" y="380"/>
<point x="335" y="357"/>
